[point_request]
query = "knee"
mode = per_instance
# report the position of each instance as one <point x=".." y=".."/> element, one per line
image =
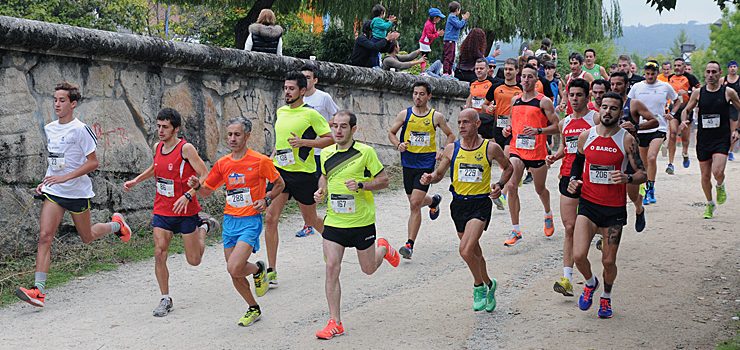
<point x="541" y="189"/>
<point x="570" y="227"/>
<point x="580" y="257"/>
<point x="233" y="268"/>
<point x="672" y="136"/>
<point x="333" y="269"/>
<point x="609" y="262"/>
<point x="652" y="158"/>
<point x="46" y="237"/>
<point x="415" y="205"/>
<point x="193" y="260"/>
<point x="467" y="254"/>
<point x="160" y="254"/>
<point x="512" y="188"/>
<point x="271" y="219"/>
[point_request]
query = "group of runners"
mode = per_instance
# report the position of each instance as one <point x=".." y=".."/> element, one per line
<point x="607" y="145"/>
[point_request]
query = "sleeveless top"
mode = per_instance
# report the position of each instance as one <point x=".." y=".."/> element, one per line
<point x="172" y="171"/>
<point x="420" y="133"/>
<point x="523" y="114"/>
<point x="595" y="71"/>
<point x="714" y="116"/>
<point x="572" y="128"/>
<point x="470" y="172"/>
<point x="569" y="109"/>
<point x="604" y="155"/>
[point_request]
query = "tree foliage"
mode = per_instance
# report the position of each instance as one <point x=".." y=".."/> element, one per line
<point x="668" y="5"/>
<point x="725" y="39"/>
<point x="680" y="39"/>
<point x="109" y="15"/>
<point x="606" y="53"/>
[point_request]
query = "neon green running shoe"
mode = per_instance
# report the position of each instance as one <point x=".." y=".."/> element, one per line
<point x="490" y="297"/>
<point x="272" y="278"/>
<point x="260" y="282"/>
<point x="479" y="297"/>
<point x="564" y="287"/>
<point x="721" y="194"/>
<point x="709" y="211"/>
<point x="252" y="315"/>
<point x="642" y="190"/>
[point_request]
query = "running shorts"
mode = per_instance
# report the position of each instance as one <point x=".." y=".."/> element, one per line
<point x="529" y="164"/>
<point x="360" y="238"/>
<point x="464" y="210"/>
<point x="246" y="229"/>
<point x="645" y="139"/>
<point x="563" y="186"/>
<point x="412" y="179"/>
<point x="299" y="185"/>
<point x="176" y="224"/>
<point x="72" y="205"/>
<point x="705" y="149"/>
<point x="601" y="215"/>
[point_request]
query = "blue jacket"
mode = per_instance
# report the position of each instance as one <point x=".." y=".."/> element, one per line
<point x="453" y="27"/>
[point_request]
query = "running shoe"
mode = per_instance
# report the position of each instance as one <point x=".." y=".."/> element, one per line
<point x="271" y="278"/>
<point x="261" y="285"/>
<point x="331" y="330"/>
<point x="305" y="231"/>
<point x="598" y="244"/>
<point x="731" y="157"/>
<point x="499" y="203"/>
<point x="528" y="179"/>
<point x="686" y="161"/>
<point x="491" y="297"/>
<point x="652" y="196"/>
<point x="211" y="223"/>
<point x="642" y="190"/>
<point x="709" y="211"/>
<point x="670" y="170"/>
<point x="391" y="255"/>
<point x="479" y="297"/>
<point x="125" y="232"/>
<point x="164" y="307"/>
<point x="549" y="226"/>
<point x="406" y="251"/>
<point x="605" y="308"/>
<point x="721" y="194"/>
<point x="587" y="297"/>
<point x="563" y="287"/>
<point x="434" y="207"/>
<point x="32" y="296"/>
<point x="646" y="197"/>
<point x="640" y="221"/>
<point x="252" y="315"/>
<point x="514" y="237"/>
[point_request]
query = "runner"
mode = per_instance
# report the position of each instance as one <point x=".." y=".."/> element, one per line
<point x="418" y="147"/>
<point x="713" y="135"/>
<point x="576" y="71"/>
<point x="653" y="94"/>
<point x="176" y="207"/>
<point x="599" y="172"/>
<point x="350" y="172"/>
<point x="570" y="128"/>
<point x="477" y="97"/>
<point x="598" y="88"/>
<point x="66" y="187"/>
<point x="684" y="84"/>
<point x="732" y="80"/>
<point x="469" y="160"/>
<point x="244" y="173"/>
<point x="298" y="129"/>
<point x="590" y="66"/>
<point x="665" y="71"/>
<point x="323" y="103"/>
<point x="532" y="119"/>
<point x="498" y="102"/>
<point x="625" y="65"/>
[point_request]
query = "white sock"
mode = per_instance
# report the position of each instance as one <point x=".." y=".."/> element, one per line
<point x="549" y="213"/>
<point x="165" y="296"/>
<point x="568" y="273"/>
<point x="516" y="227"/>
<point x="591" y="281"/>
<point x="606" y="295"/>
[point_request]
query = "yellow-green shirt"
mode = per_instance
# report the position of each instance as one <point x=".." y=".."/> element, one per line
<point x="306" y="123"/>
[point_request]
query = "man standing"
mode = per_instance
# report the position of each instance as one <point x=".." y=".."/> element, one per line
<point x="176" y="207"/>
<point x="599" y="172"/>
<point x="244" y="173"/>
<point x="350" y="172"/>
<point x="298" y="129"/>
<point x="470" y="160"/>
<point x="684" y="84"/>
<point x="713" y="135"/>
<point x="66" y="187"/>
<point x="590" y="66"/>
<point x="418" y="146"/>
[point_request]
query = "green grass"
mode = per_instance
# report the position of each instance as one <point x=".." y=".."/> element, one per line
<point x="734" y="343"/>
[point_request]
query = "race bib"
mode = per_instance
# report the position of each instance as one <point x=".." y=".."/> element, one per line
<point x="56" y="161"/>
<point x="343" y="203"/>
<point x="600" y="174"/>
<point x="165" y="187"/>
<point x="470" y="173"/>
<point x="420" y="139"/>
<point x="285" y="157"/>
<point x="477" y="102"/>
<point x="710" y="121"/>
<point x="239" y="197"/>
<point x="525" y="141"/>
<point x="571" y="144"/>
<point x="502" y="121"/>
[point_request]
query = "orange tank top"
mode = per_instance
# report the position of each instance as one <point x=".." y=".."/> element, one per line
<point x="528" y="113"/>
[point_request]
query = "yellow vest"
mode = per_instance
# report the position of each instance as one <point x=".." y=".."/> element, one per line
<point x="470" y="172"/>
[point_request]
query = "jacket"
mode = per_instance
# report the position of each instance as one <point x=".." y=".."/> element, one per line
<point x="453" y="27"/>
<point x="365" y="48"/>
<point x="264" y="38"/>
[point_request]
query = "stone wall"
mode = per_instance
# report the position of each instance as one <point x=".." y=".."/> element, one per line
<point x="126" y="79"/>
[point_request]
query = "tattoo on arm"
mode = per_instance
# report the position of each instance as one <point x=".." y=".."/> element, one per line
<point x="636" y="156"/>
<point x="614" y="234"/>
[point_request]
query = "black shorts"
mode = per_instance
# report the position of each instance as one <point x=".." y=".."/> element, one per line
<point x="412" y="179"/>
<point x="176" y="224"/>
<point x="464" y="210"/>
<point x="529" y="164"/>
<point x="498" y="136"/>
<point x="72" y="205"/>
<point x="645" y="139"/>
<point x="298" y="185"/>
<point x="354" y="237"/>
<point x="705" y="150"/>
<point x="601" y="215"/>
<point x="564" y="181"/>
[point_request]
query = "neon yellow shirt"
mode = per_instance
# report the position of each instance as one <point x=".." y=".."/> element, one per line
<point x="306" y="123"/>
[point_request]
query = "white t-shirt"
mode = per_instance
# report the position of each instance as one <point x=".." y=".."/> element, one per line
<point x="68" y="146"/>
<point x="654" y="96"/>
<point x="324" y="104"/>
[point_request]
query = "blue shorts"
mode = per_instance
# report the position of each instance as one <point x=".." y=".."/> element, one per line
<point x="176" y="224"/>
<point x="246" y="229"/>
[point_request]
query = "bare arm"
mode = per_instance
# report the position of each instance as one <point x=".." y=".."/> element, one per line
<point x="191" y="155"/>
<point x="393" y="131"/>
<point x="602" y="71"/>
<point x="560" y="154"/>
<point x="549" y="109"/>
<point x="638" y="109"/>
<point x="379" y="182"/>
<point x="496" y="153"/>
<point x="321" y="142"/>
<point x="146" y="174"/>
<point x="633" y="156"/>
<point x="89" y="166"/>
<point x="693" y="101"/>
<point x="588" y="77"/>
<point x="277" y="187"/>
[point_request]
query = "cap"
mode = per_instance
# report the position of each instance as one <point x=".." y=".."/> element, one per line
<point x="732" y="63"/>
<point x="491" y="60"/>
<point x="435" y="12"/>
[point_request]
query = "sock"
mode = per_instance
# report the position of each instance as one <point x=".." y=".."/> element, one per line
<point x="720" y="184"/>
<point x="490" y="284"/>
<point x="607" y="293"/>
<point x="568" y="273"/>
<point x="548" y="214"/>
<point x="270" y="269"/>
<point x="591" y="282"/>
<point x="477" y="285"/>
<point x="259" y="270"/>
<point x="40" y="281"/>
<point x="205" y="227"/>
<point x="650" y="185"/>
<point x="710" y="203"/>
<point x="411" y="243"/>
<point x="114" y="226"/>
<point x="255" y="306"/>
<point x="516" y="227"/>
<point x="165" y="296"/>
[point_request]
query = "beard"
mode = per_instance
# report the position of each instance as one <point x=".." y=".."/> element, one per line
<point x="610" y="123"/>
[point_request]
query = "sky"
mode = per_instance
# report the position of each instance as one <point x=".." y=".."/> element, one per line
<point x="636" y="12"/>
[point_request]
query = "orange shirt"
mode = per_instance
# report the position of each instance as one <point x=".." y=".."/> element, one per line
<point x="538" y="86"/>
<point x="478" y="91"/>
<point x="245" y="180"/>
<point x="502" y="95"/>
<point x="529" y="114"/>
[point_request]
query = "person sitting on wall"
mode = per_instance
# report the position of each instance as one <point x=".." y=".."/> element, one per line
<point x="401" y="62"/>
<point x="265" y="35"/>
<point x="365" y="49"/>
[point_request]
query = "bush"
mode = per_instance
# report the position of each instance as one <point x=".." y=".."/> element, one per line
<point x="336" y="45"/>
<point x="301" y="43"/>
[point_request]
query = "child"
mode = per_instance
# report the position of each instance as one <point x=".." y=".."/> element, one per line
<point x="430" y="33"/>
<point x="380" y="27"/>
<point x="452" y="33"/>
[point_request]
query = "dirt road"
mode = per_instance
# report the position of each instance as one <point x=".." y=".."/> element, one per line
<point x="678" y="287"/>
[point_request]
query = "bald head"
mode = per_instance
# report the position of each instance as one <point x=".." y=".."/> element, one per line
<point x="470" y="113"/>
<point x="468" y="122"/>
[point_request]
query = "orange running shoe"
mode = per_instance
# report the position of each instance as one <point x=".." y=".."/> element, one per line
<point x="514" y="237"/>
<point x="331" y="330"/>
<point x="549" y="226"/>
<point x="32" y="296"/>
<point x="125" y="233"/>
<point x="390" y="253"/>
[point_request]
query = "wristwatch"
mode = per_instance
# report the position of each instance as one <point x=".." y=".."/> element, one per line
<point x="188" y="196"/>
<point x="360" y="185"/>
<point x="268" y="200"/>
<point x="629" y="178"/>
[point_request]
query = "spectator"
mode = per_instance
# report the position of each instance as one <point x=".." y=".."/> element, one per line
<point x="365" y="50"/>
<point x="429" y="33"/>
<point x="452" y="33"/>
<point x="544" y="47"/>
<point x="380" y="27"/>
<point x="491" y="66"/>
<point x="265" y="35"/>
<point x="401" y="62"/>
<point x="472" y="48"/>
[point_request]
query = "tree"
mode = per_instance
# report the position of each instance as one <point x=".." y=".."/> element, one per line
<point x="724" y="43"/>
<point x="668" y="5"/>
<point x="681" y="38"/>
<point x="111" y="15"/>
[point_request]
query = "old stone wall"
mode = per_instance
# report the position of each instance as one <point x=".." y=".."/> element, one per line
<point x="126" y="79"/>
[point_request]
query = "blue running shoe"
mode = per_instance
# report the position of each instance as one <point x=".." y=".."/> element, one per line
<point x="305" y="231"/>
<point x="686" y="161"/>
<point x="670" y="170"/>
<point x="434" y="207"/>
<point x="645" y="198"/>
<point x="731" y="157"/>
<point x="652" y="196"/>
<point x="587" y="297"/>
<point x="605" y="308"/>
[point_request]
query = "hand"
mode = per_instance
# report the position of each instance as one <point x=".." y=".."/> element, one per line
<point x="441" y="32"/>
<point x="668" y="116"/>
<point x="295" y="142"/>
<point x="352" y="185"/>
<point x="260" y="205"/>
<point x="507" y="131"/>
<point x="181" y="205"/>
<point x="573" y="186"/>
<point x="683" y="125"/>
<point x="491" y="108"/>
<point x="735" y="136"/>
<point x="128" y="185"/>
<point x="392" y="18"/>
<point x="561" y="108"/>
<point x="38" y="188"/>
<point x="530" y="131"/>
<point x="318" y="196"/>
<point x="50" y="180"/>
<point x="426" y="179"/>
<point x="619" y="177"/>
<point x="392" y="36"/>
<point x="628" y="126"/>
<point x="682" y="92"/>
<point x="402" y="146"/>
<point x="496" y="52"/>
<point x="193" y="182"/>
<point x="495" y="191"/>
<point x="466" y="15"/>
<point x="549" y="160"/>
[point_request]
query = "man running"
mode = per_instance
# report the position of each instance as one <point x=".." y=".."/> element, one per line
<point x="532" y="119"/>
<point x="599" y="172"/>
<point x="625" y="65"/>
<point x="713" y="135"/>
<point x="571" y="127"/>
<point x="470" y="160"/>
<point x="653" y="94"/>
<point x="684" y="84"/>
<point x="598" y="88"/>
<point x="66" y="187"/>
<point x="418" y="147"/>
<point x="665" y="71"/>
<point x="732" y="80"/>
<point x="498" y="102"/>
<point x="477" y="97"/>
<point x="244" y="172"/>
<point x="350" y="172"/>
<point x="176" y="207"/>
<point x="590" y="66"/>
<point x="576" y="72"/>
<point x="298" y="130"/>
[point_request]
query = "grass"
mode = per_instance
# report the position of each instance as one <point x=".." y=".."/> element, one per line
<point x="734" y="343"/>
